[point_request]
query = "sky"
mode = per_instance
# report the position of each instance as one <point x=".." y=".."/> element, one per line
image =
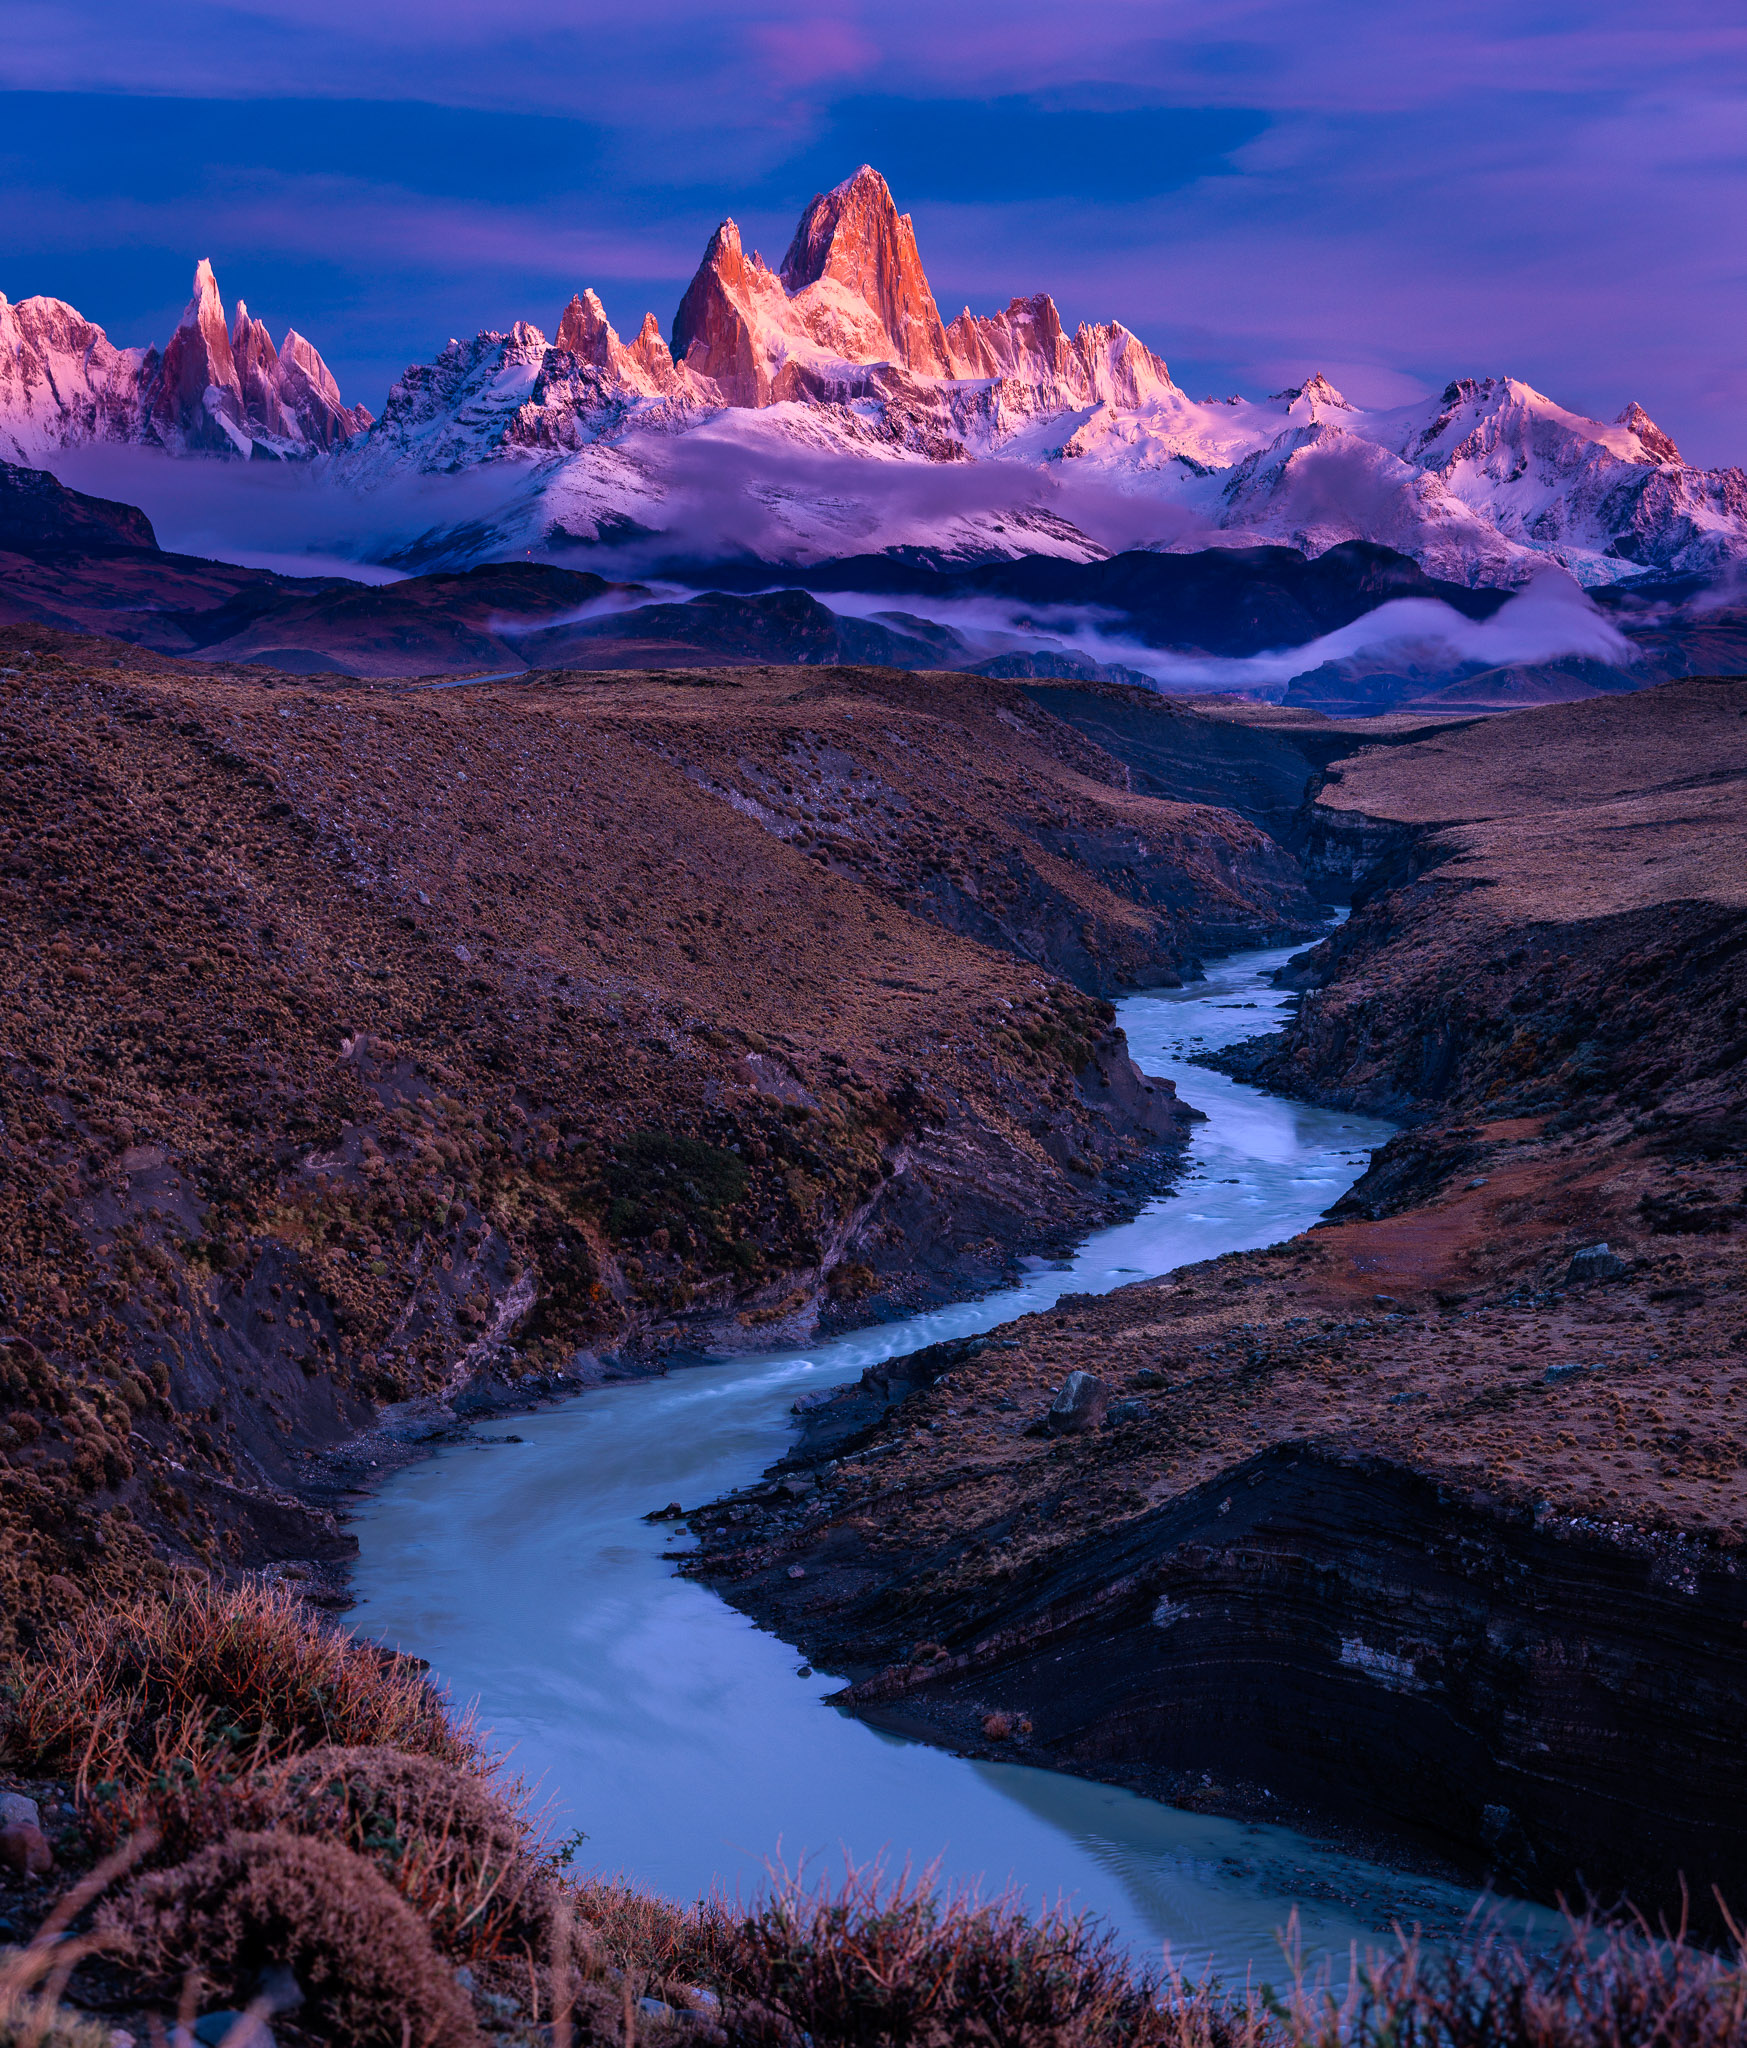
<point x="1393" y="195"/>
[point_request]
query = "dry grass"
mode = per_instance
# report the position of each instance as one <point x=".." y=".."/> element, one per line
<point x="364" y="1959"/>
<point x="455" y="1846"/>
<point x="121" y="1694"/>
<point x="1612" y="1985"/>
<point x="870" y="1965"/>
<point x="873" y="1965"/>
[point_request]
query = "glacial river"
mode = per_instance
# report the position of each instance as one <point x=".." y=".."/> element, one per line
<point x="695" y="1749"/>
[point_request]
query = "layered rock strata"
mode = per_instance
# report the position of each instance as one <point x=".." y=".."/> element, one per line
<point x="1428" y="1525"/>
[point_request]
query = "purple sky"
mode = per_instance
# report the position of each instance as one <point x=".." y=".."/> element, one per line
<point x="1390" y="193"/>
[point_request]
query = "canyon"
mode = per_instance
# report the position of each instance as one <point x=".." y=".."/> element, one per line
<point x="385" y="1054"/>
<point x="1428" y="1522"/>
<point x="356" y="1033"/>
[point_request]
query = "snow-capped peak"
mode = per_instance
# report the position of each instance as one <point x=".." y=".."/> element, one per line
<point x="213" y="389"/>
<point x="822" y="401"/>
<point x="1656" y="445"/>
<point x="205" y="305"/>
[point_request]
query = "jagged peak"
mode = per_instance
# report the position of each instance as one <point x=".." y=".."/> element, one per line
<point x="583" y="327"/>
<point x="1322" y="392"/>
<point x="865" y="175"/>
<point x="297" y="351"/>
<point x="205" y="304"/>
<point x="1651" y="438"/>
<point x="863" y="205"/>
<point x="1315" y="390"/>
<point x="248" y="332"/>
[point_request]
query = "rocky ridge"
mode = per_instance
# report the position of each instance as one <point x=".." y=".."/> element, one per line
<point x="842" y="353"/>
<point x="212" y="389"/>
<point x="820" y="399"/>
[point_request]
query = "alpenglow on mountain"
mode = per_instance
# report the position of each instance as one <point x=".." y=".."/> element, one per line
<point x="825" y="409"/>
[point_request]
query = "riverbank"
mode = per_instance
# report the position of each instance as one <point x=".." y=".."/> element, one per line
<point x="1422" y="1516"/>
<point x="537" y="1575"/>
<point x="360" y="1048"/>
<point x="344" y="1865"/>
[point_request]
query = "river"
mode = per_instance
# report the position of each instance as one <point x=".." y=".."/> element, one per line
<point x="694" y="1748"/>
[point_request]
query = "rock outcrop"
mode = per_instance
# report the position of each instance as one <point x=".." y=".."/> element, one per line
<point x="824" y="389"/>
<point x="212" y="390"/>
<point x="38" y="514"/>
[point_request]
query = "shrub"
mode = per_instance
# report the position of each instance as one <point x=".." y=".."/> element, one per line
<point x="121" y="1693"/>
<point x="365" y="1961"/>
<point x="662" y="1182"/>
<point x="872" y="1966"/>
<point x="449" y="1842"/>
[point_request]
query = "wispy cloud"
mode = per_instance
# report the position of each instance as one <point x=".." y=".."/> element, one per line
<point x="1413" y="192"/>
<point x="1549" y="619"/>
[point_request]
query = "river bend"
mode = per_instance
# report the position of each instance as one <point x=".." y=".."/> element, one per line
<point x="693" y="1747"/>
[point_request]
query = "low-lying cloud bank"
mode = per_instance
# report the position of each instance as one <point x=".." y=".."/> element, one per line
<point x="1550" y="619"/>
<point x="729" y="494"/>
<point x="292" y="516"/>
<point x="741" y="486"/>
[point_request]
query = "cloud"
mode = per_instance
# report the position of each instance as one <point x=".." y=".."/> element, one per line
<point x="295" y="519"/>
<point x="806" y="51"/>
<point x="290" y="516"/>
<point x="1407" y="193"/>
<point x="736" y="488"/>
<point x="1547" y="620"/>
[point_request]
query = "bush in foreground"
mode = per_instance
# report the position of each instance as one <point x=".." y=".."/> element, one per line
<point x="307" y="1802"/>
<point x="449" y="1842"/>
<point x="364" y="1959"/>
<point x="116" y="1692"/>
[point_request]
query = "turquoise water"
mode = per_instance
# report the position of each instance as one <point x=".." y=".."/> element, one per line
<point x="688" y="1743"/>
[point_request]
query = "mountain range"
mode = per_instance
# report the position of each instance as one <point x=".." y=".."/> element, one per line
<point x="824" y="409"/>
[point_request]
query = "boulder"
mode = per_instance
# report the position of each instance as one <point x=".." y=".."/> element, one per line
<point x="1594" y="1262"/>
<point x="230" y="2029"/>
<point x="18" y="1811"/>
<point x="1081" y="1403"/>
<point x="25" y="1851"/>
<point x="1125" y="1411"/>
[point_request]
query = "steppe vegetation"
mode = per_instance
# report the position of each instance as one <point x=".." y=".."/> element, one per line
<point x="366" y="1052"/>
<point x="272" y="1821"/>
